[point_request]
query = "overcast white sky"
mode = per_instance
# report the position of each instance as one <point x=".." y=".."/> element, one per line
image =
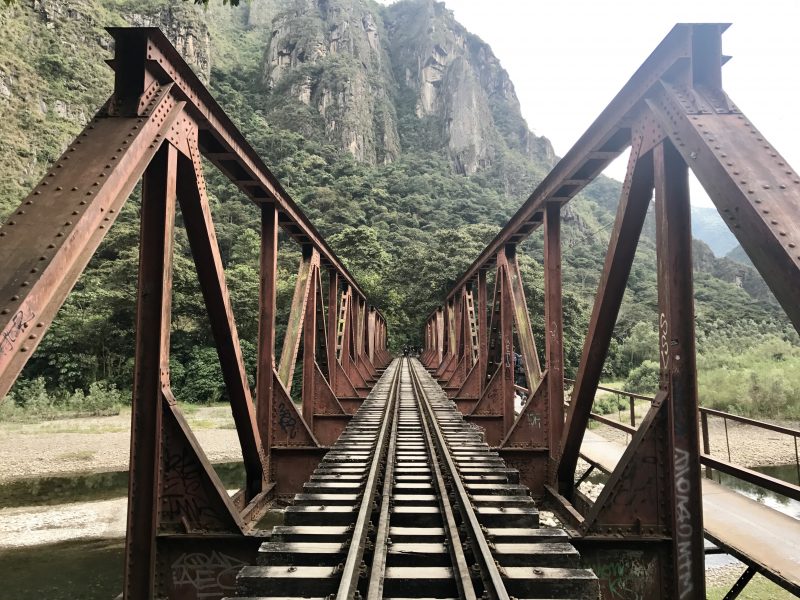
<point x="568" y="58"/>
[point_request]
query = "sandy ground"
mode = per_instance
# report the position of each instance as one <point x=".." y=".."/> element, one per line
<point x="32" y="526"/>
<point x="99" y="443"/>
<point x="102" y="444"/>
<point x="85" y="445"/>
<point x="749" y="446"/>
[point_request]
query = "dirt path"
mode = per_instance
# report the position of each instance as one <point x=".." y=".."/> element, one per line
<point x="96" y="444"/>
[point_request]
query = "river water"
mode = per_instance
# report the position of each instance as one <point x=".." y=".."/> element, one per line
<point x="92" y="569"/>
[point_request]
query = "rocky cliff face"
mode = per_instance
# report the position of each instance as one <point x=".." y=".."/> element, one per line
<point x="331" y="55"/>
<point x="374" y="80"/>
<point x="186" y="27"/>
<point x="375" y="75"/>
<point x="457" y="79"/>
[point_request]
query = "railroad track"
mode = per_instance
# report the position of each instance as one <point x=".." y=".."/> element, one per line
<point x="411" y="503"/>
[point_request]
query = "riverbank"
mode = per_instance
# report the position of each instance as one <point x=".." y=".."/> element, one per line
<point x="740" y="444"/>
<point x="100" y="444"/>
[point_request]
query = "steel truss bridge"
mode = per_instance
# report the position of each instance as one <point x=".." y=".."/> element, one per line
<point x="418" y="478"/>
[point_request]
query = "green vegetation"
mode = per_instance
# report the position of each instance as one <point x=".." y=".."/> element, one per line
<point x="31" y="401"/>
<point x="759" y="588"/>
<point x="405" y="228"/>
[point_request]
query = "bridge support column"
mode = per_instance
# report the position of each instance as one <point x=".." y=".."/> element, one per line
<point x="678" y="367"/>
<point x="151" y="371"/>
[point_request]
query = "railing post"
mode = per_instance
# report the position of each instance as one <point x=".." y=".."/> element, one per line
<point x="633" y="410"/>
<point x="706" y="440"/>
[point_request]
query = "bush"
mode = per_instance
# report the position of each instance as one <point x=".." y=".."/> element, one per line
<point x="30" y="400"/>
<point x="605" y="404"/>
<point x="203" y="378"/>
<point x="762" y="380"/>
<point x="644" y="379"/>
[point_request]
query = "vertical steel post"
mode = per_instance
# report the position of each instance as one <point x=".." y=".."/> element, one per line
<point x="554" y="327"/>
<point x="151" y="371"/>
<point x="507" y="336"/>
<point x="483" y="334"/>
<point x="310" y="348"/>
<point x="678" y="368"/>
<point x="333" y="321"/>
<point x="265" y="379"/>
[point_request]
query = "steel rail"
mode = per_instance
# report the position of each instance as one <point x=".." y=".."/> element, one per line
<point x="378" y="570"/>
<point x="492" y="580"/>
<point x="464" y="579"/>
<point x="355" y="554"/>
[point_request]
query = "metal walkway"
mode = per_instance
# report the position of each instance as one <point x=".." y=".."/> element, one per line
<point x="752" y="532"/>
<point x="411" y="503"/>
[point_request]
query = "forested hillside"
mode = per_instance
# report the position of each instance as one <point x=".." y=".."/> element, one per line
<point x="400" y="135"/>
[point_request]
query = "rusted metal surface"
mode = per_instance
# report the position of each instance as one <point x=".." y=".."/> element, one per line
<point x="677" y="362"/>
<point x="160" y="121"/>
<point x="675" y="116"/>
<point x="151" y="374"/>
<point x="756" y="534"/>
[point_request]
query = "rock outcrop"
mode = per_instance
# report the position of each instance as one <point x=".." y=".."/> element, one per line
<point x="330" y="55"/>
<point x="382" y="78"/>
<point x="457" y="79"/>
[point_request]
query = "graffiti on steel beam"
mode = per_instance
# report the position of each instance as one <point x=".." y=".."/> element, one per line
<point x="183" y="498"/>
<point x="625" y="574"/>
<point x="684" y="530"/>
<point x="210" y="575"/>
<point x="287" y="422"/>
<point x="19" y="323"/>
<point x="663" y="343"/>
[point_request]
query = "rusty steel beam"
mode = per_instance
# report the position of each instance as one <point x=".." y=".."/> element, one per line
<point x="678" y="368"/>
<point x="483" y="334"/>
<point x="48" y="241"/>
<point x="522" y="319"/>
<point x="267" y="310"/>
<point x="221" y="141"/>
<point x="151" y="374"/>
<point x="755" y="190"/>
<point x="636" y="193"/>
<point x="199" y="225"/>
<point x="605" y="140"/>
<point x="554" y="329"/>
<point x="294" y="328"/>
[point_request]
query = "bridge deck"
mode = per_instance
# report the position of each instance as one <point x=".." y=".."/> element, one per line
<point x="750" y="531"/>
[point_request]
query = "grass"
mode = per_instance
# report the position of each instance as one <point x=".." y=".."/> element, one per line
<point x="80" y="455"/>
<point x="759" y="588"/>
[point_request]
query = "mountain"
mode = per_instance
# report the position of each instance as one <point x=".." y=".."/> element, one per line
<point x="396" y="129"/>
<point x="739" y="255"/>
<point x="708" y="226"/>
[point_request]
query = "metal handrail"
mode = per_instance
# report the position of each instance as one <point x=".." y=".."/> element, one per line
<point x="706" y="458"/>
